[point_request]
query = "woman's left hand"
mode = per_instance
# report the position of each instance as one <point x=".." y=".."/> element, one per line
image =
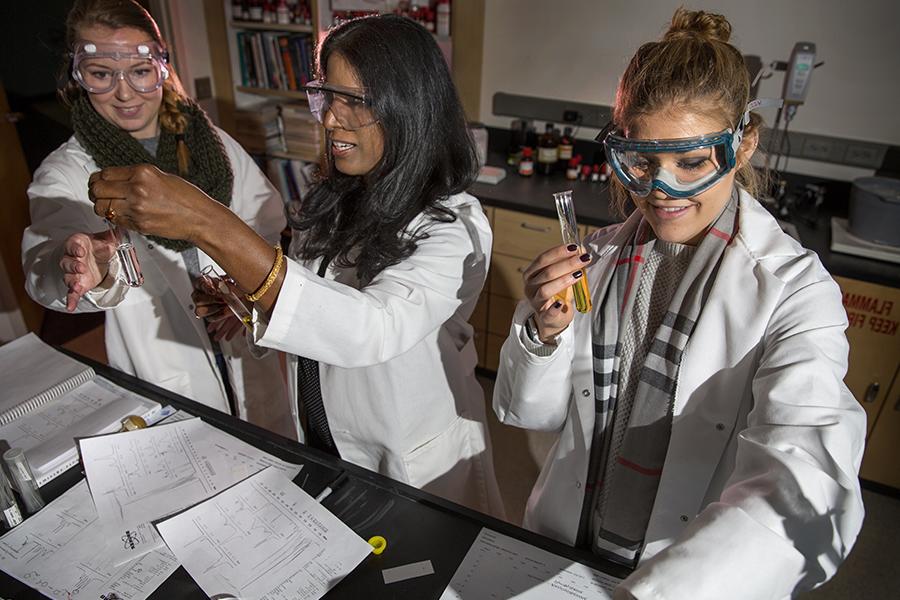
<point x="147" y="200"/>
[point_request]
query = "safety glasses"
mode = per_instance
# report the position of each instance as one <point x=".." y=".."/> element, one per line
<point x="680" y="168"/>
<point x="351" y="108"/>
<point x="98" y="68"/>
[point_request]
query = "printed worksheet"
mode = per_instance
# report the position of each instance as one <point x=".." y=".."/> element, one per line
<point x="56" y="552"/>
<point x="264" y="538"/>
<point x="500" y="567"/>
<point x="147" y="474"/>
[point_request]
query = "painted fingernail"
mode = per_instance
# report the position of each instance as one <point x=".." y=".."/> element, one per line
<point x="576" y="274"/>
<point x="571" y="247"/>
<point x="585" y="258"/>
<point x="557" y="304"/>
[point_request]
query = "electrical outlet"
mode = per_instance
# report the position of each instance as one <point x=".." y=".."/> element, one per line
<point x="816" y="148"/>
<point x="864" y="155"/>
<point x="571" y="116"/>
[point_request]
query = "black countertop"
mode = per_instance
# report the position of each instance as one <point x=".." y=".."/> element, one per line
<point x="535" y="195"/>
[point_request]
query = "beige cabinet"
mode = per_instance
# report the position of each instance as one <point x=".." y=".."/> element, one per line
<point x="873" y="313"/>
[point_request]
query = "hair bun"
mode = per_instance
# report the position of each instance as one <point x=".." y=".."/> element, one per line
<point x="697" y="23"/>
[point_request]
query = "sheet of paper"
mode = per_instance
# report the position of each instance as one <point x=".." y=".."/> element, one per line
<point x="47" y="434"/>
<point x="264" y="538"/>
<point x="498" y="566"/>
<point x="148" y="474"/>
<point x="55" y="552"/>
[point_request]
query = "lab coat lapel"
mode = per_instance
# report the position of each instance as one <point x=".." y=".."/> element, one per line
<point x="707" y="403"/>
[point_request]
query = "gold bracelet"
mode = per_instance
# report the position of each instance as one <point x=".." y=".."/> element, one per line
<point x="270" y="279"/>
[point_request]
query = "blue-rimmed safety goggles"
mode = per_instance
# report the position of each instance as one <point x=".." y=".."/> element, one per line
<point x="680" y="168"/>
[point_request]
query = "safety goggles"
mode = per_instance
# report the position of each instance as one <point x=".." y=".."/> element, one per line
<point x="680" y="168"/>
<point x="98" y="68"/>
<point x="351" y="108"/>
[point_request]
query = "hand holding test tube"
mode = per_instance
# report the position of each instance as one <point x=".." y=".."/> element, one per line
<point x="130" y="272"/>
<point x="225" y="288"/>
<point x="565" y="209"/>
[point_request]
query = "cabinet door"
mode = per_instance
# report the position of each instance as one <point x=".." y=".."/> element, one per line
<point x="524" y="235"/>
<point x="873" y="312"/>
<point x="506" y="276"/>
<point x="880" y="463"/>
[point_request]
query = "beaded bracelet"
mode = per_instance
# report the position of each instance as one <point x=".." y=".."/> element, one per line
<point x="270" y="279"/>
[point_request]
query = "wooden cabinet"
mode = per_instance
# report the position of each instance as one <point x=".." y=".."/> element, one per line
<point x="873" y="313"/>
<point x="519" y="238"/>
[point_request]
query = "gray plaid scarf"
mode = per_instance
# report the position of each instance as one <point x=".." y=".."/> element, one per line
<point x="626" y="478"/>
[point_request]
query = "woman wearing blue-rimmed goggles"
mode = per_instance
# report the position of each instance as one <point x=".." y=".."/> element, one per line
<point x="680" y="168"/>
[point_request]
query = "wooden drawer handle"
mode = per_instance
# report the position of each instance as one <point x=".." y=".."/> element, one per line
<point x="530" y="227"/>
<point x="872" y="392"/>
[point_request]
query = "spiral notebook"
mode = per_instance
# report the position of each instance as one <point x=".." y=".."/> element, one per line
<point x="47" y="399"/>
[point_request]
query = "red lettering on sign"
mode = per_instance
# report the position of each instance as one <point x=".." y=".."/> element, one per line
<point x="885" y="326"/>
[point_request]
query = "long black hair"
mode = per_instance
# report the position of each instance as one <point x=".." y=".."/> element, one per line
<point x="361" y="221"/>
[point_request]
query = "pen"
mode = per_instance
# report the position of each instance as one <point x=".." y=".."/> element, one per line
<point x="331" y="486"/>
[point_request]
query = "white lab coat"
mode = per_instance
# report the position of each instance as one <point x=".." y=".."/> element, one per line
<point x="151" y="331"/>
<point x="397" y="359"/>
<point x="759" y="496"/>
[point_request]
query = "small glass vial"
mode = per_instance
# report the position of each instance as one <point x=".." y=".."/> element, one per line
<point x="130" y="267"/>
<point x="11" y="515"/>
<point x="23" y="479"/>
<point x="224" y="287"/>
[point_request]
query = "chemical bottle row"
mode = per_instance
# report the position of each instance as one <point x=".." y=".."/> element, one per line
<point x="550" y="152"/>
<point x="433" y="15"/>
<point x="282" y="12"/>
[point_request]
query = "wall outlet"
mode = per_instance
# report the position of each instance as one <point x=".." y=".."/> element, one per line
<point x="816" y="148"/>
<point x="864" y="155"/>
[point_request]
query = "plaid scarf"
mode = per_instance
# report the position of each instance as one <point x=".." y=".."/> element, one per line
<point x="625" y="466"/>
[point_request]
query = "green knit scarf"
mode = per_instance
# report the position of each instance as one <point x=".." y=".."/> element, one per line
<point x="110" y="146"/>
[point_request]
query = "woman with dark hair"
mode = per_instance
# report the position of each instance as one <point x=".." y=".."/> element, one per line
<point x="128" y="108"/>
<point x="388" y="257"/>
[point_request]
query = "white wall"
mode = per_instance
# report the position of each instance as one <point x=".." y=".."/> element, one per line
<point x="577" y="49"/>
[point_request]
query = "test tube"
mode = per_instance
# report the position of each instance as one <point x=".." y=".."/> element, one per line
<point x="565" y="209"/>
<point x="224" y="286"/>
<point x="23" y="479"/>
<point x="131" y="268"/>
<point x="11" y="515"/>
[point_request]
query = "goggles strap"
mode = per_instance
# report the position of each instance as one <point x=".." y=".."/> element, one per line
<point x="745" y="120"/>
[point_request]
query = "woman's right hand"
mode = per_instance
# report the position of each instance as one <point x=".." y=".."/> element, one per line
<point x="85" y="263"/>
<point x="548" y="280"/>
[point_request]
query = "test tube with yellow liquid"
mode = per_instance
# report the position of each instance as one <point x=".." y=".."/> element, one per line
<point x="565" y="208"/>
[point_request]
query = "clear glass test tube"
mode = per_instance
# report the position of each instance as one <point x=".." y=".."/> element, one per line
<point x="9" y="508"/>
<point x="225" y="287"/>
<point x="130" y="272"/>
<point x="23" y="479"/>
<point x="565" y="209"/>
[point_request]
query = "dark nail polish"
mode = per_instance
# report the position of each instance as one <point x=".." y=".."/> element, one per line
<point x="585" y="258"/>
<point x="571" y="247"/>
<point x="557" y="304"/>
<point x="576" y="274"/>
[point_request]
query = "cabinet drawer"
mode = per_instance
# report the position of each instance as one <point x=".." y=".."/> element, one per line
<point x="872" y="312"/>
<point x="506" y="276"/>
<point x="500" y="314"/>
<point x="524" y="235"/>
<point x="880" y="462"/>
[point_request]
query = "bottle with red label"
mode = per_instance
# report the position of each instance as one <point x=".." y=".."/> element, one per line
<point x="526" y="165"/>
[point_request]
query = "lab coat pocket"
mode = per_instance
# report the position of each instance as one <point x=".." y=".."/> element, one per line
<point x="450" y="464"/>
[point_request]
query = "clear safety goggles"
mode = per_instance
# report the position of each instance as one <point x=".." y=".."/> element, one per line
<point x="680" y="168"/>
<point x="351" y="108"/>
<point x="98" y="68"/>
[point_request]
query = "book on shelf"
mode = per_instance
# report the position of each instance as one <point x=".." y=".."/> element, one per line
<point x="50" y="399"/>
<point x="274" y="60"/>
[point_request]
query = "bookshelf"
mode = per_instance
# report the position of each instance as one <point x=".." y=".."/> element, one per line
<point x="235" y="98"/>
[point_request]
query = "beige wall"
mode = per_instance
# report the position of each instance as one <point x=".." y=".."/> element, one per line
<point x="576" y="49"/>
